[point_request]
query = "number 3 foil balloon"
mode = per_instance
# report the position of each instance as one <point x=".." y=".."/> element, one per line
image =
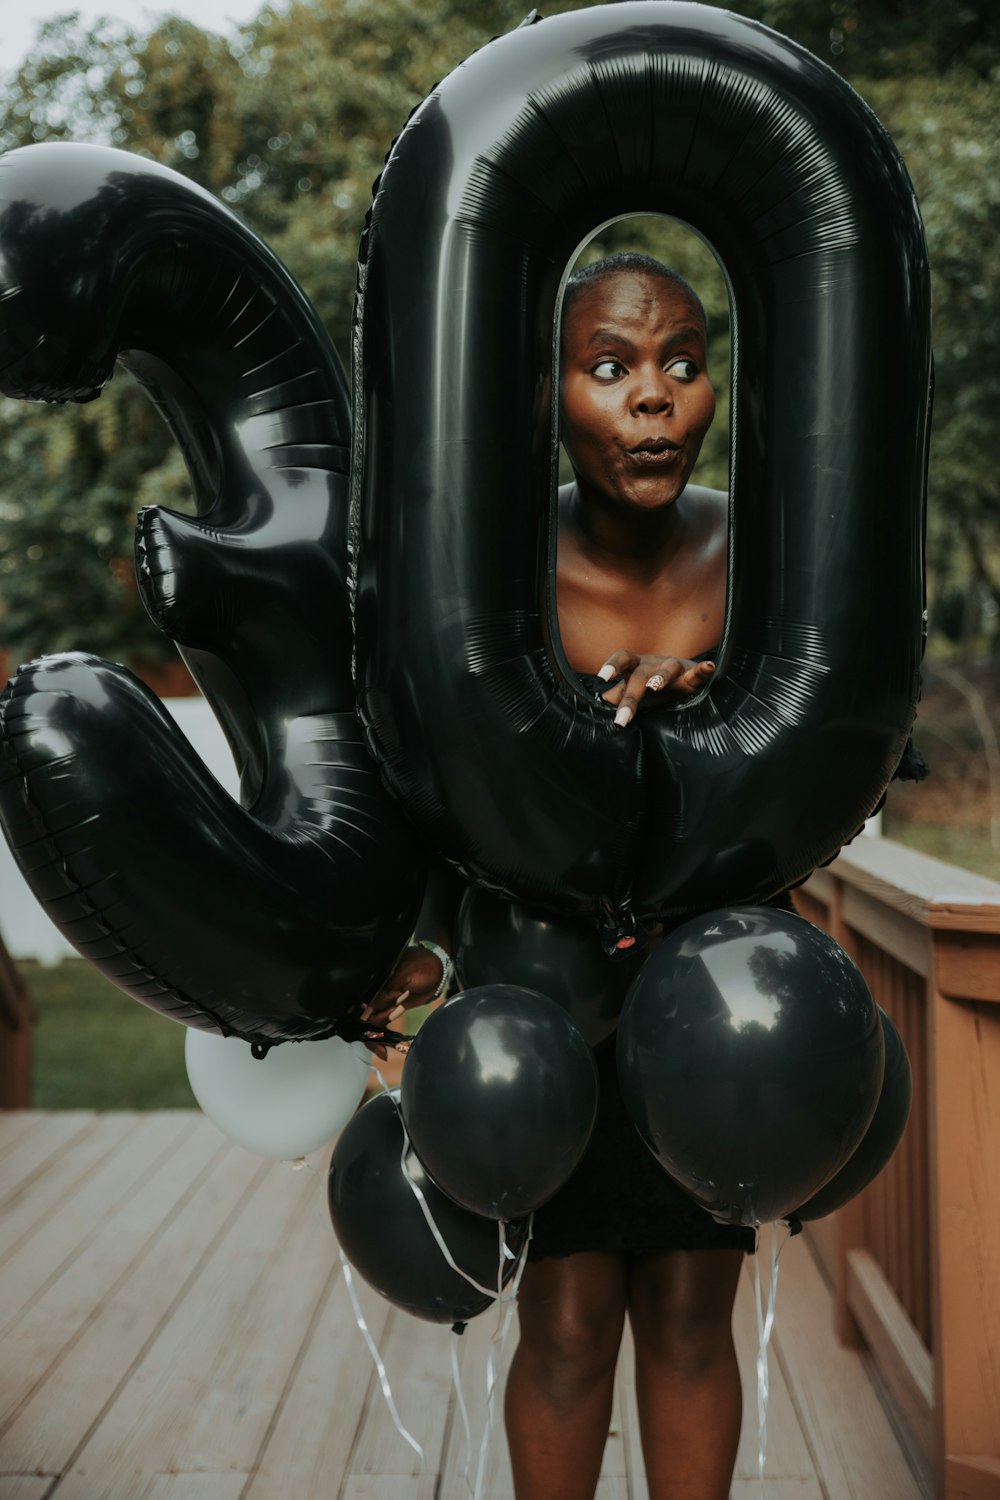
<point x="505" y="762"/>
<point x="272" y="920"/>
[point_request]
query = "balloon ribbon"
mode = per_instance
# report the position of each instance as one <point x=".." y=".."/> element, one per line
<point x="383" y="1378"/>
<point x="765" y="1325"/>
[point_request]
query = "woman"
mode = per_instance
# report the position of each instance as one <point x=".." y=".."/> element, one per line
<point x="641" y="584"/>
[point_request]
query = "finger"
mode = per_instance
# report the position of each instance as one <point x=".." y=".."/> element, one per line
<point x="632" y="696"/>
<point x="693" y="678"/>
<point x="383" y="1002"/>
<point x="663" y="670"/>
<point x="618" y="664"/>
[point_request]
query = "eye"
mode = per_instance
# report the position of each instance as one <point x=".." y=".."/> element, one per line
<point x="683" y="369"/>
<point x="608" y="370"/>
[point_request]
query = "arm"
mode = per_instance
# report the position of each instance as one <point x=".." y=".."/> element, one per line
<point x="417" y="977"/>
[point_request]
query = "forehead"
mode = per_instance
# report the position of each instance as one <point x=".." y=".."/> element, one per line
<point x="630" y="301"/>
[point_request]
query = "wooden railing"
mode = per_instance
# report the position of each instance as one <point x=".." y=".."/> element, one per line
<point x="916" y="1257"/>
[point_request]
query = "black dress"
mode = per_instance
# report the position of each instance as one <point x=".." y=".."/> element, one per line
<point x="619" y="1198"/>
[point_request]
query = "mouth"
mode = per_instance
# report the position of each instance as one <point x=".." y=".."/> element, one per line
<point x="654" y="451"/>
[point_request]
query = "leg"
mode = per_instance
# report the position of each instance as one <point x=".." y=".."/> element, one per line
<point x="688" y="1392"/>
<point x="561" y="1381"/>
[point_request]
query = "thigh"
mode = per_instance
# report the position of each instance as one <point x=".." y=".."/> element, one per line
<point x="680" y="1302"/>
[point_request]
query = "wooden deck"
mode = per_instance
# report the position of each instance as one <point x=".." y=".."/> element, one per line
<point x="175" y="1326"/>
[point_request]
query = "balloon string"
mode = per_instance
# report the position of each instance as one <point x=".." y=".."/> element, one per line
<point x="425" y="1209"/>
<point x="506" y="1301"/>
<point x="505" y="1315"/>
<point x="383" y="1378"/>
<point x="456" y="1378"/>
<point x="765" y="1325"/>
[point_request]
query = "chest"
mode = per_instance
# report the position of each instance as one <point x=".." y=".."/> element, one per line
<point x="678" y="614"/>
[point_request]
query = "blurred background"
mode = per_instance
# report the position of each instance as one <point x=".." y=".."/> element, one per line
<point x="286" y="113"/>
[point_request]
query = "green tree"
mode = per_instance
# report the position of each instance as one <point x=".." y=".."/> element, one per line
<point x="948" y="130"/>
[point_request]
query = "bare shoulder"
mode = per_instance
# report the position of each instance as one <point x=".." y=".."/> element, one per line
<point x="564" y="495"/>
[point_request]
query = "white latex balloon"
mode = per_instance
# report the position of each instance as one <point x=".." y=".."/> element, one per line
<point x="286" y="1104"/>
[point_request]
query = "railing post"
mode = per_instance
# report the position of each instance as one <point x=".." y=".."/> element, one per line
<point x="964" y="1137"/>
<point x="850" y="1232"/>
<point x="16" y="1020"/>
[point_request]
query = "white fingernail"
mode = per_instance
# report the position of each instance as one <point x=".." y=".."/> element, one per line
<point x="607" y="672"/>
<point x="623" y="715"/>
<point x="655" y="683"/>
<point x="395" y="1014"/>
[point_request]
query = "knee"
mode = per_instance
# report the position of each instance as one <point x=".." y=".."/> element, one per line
<point x="568" y="1357"/>
<point x="688" y="1347"/>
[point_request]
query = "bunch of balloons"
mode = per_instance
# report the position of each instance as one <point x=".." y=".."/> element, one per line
<point x="751" y="1055"/>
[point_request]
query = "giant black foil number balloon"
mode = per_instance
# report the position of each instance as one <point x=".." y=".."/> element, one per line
<point x="384" y="1234"/>
<point x="505" y="169"/>
<point x="273" y="919"/>
<point x="750" y="1057"/>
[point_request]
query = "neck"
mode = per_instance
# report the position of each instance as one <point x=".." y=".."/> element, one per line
<point x="636" y="540"/>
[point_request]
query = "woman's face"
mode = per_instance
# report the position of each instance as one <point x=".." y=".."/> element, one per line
<point x="636" y="397"/>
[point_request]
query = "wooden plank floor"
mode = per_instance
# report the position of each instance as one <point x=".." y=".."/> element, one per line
<point x="174" y="1325"/>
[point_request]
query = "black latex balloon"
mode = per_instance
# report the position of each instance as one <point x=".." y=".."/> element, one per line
<point x="500" y="942"/>
<point x="276" y="919"/>
<point x="499" y="1095"/>
<point x="384" y="1234"/>
<point x="500" y="175"/>
<point x="750" y="1058"/>
<point x="880" y="1139"/>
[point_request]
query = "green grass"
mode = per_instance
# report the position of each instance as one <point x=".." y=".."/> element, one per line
<point x="96" y="1048"/>
<point x="970" y="848"/>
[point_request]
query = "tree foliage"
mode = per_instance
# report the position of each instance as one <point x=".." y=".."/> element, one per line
<point x="288" y="120"/>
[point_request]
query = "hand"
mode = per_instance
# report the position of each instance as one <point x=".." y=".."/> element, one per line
<point x="412" y="982"/>
<point x="650" y="674"/>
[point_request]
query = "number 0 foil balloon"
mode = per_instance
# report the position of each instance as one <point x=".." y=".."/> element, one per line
<point x="272" y="920"/>
<point x="509" y="767"/>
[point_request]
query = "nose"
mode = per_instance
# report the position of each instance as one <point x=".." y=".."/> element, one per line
<point x="652" y="393"/>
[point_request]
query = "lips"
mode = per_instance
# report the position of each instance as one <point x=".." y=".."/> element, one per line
<point x="654" y="453"/>
<point x="655" y="445"/>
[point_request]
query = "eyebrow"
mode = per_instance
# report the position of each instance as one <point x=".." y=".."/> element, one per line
<point x="610" y="336"/>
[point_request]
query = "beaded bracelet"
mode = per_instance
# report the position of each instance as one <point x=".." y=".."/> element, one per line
<point x="448" y="968"/>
